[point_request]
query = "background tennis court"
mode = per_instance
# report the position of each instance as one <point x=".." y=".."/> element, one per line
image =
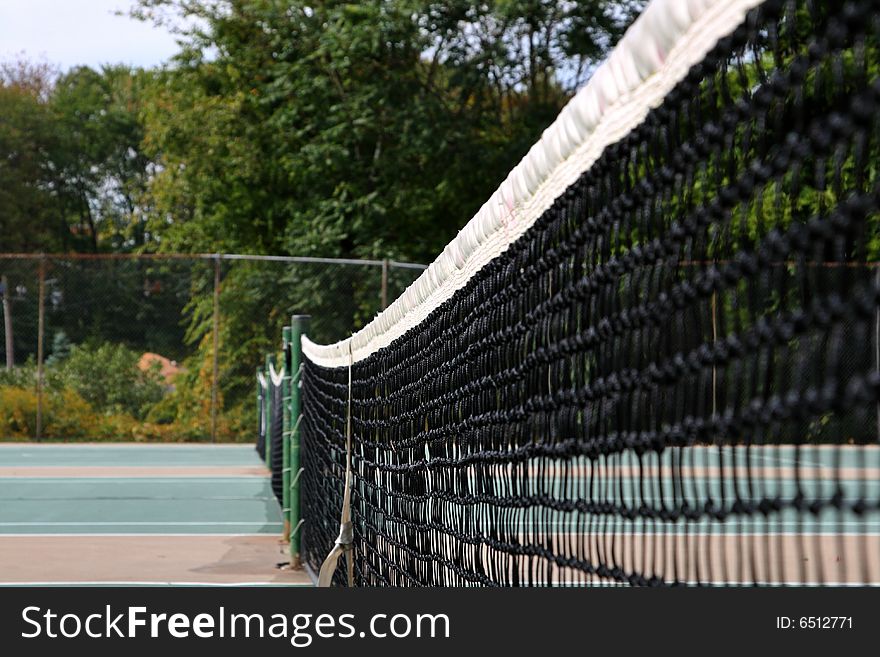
<point x="126" y="513"/>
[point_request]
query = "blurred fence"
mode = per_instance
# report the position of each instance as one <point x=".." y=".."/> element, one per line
<point x="162" y="346"/>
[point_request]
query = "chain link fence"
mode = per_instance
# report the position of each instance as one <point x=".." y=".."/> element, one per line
<point x="162" y="347"/>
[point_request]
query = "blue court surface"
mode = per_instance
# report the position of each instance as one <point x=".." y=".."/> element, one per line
<point x="146" y="514"/>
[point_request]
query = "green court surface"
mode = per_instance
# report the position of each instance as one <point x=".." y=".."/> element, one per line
<point x="238" y="503"/>
<point x="107" y="504"/>
<point x="702" y="474"/>
<point x="141" y="505"/>
<point x="160" y="492"/>
<point x="145" y="515"/>
<point x="114" y="454"/>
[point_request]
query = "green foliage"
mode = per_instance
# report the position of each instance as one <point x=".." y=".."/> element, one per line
<point x="107" y="376"/>
<point x="26" y="136"/>
<point x="99" y="165"/>
<point x="373" y="129"/>
<point x="99" y="393"/>
<point x="76" y="169"/>
<point x="65" y="414"/>
<point x="188" y="406"/>
<point x="19" y="377"/>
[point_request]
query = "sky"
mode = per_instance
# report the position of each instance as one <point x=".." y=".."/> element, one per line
<point x="69" y="33"/>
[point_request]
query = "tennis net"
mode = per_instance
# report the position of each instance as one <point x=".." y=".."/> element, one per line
<point x="652" y="357"/>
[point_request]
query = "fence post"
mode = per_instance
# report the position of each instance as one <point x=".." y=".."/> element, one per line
<point x="215" y="366"/>
<point x="285" y="433"/>
<point x="299" y="325"/>
<point x="41" y="329"/>
<point x="7" y="323"/>
<point x="384" y="283"/>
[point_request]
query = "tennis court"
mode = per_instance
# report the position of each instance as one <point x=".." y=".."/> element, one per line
<point x="829" y="545"/>
<point x="126" y="513"/>
<point x="652" y="357"/>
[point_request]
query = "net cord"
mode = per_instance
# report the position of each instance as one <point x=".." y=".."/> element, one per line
<point x="654" y="55"/>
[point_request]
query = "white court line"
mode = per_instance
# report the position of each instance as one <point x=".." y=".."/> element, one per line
<point x="679" y="532"/>
<point x="599" y="534"/>
<point x="782" y="461"/>
<point x="137" y="498"/>
<point x="748" y="584"/>
<point x="132" y="524"/>
<point x="115" y="478"/>
<point x="139" y="535"/>
<point x="112" y="445"/>
<point x="155" y="583"/>
<point x="758" y="456"/>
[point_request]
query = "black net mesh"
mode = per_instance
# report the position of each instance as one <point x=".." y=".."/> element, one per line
<point x="262" y="416"/>
<point x="275" y="440"/>
<point x="672" y="377"/>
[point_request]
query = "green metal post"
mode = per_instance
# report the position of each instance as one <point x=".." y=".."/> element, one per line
<point x="299" y="325"/>
<point x="260" y="418"/>
<point x="285" y="432"/>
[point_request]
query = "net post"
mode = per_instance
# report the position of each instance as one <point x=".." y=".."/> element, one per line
<point x="215" y="365"/>
<point x="285" y="434"/>
<point x="270" y="361"/>
<point x="259" y="408"/>
<point x="299" y="326"/>
<point x="384" y="283"/>
<point x="41" y="326"/>
<point x="7" y="322"/>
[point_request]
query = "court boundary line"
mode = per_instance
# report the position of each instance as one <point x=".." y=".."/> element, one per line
<point x="145" y="535"/>
<point x="109" y="523"/>
<point x="111" y="443"/>
<point x="149" y="583"/>
<point x="99" y="479"/>
<point x="622" y="534"/>
<point x="603" y="584"/>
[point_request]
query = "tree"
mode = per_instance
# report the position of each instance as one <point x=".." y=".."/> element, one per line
<point x="99" y="168"/>
<point x="369" y="129"/>
<point x="72" y="170"/>
<point x="372" y="129"/>
<point x="27" y="206"/>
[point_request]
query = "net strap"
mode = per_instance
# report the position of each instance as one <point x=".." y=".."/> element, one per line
<point x="294" y="380"/>
<point x="345" y="539"/>
<point x="289" y="469"/>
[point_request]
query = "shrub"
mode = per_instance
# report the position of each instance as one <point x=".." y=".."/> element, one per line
<point x="98" y="392"/>
<point x="65" y="414"/>
<point x="108" y="377"/>
<point x="23" y="376"/>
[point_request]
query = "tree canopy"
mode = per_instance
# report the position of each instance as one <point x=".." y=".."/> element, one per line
<point x="371" y="129"/>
